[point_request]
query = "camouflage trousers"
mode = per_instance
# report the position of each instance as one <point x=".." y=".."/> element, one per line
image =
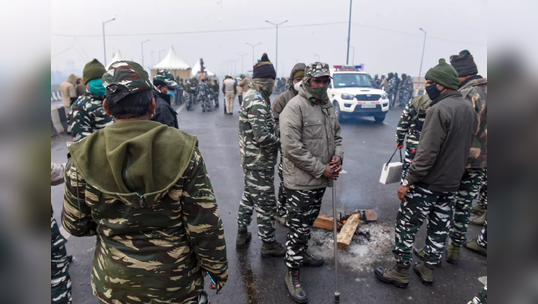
<point x="206" y="103"/>
<point x="483" y="197"/>
<point x="259" y="194"/>
<point x="481" y="297"/>
<point x="423" y="204"/>
<point x="467" y="193"/>
<point x="281" y="200"/>
<point x="60" y="285"/>
<point x="410" y="151"/>
<point x="404" y="97"/>
<point x="303" y="208"/>
<point x="483" y="237"/>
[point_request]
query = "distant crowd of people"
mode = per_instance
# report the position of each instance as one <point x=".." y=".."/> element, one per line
<point x="399" y="90"/>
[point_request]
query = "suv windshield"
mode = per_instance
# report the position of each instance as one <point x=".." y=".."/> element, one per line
<point x="349" y="80"/>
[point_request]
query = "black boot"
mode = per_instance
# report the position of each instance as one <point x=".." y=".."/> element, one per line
<point x="293" y="282"/>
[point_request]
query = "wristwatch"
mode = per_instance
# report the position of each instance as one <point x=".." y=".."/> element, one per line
<point x="405" y="183"/>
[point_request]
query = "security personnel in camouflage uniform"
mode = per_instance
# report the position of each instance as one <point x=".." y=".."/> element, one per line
<point x="204" y="93"/>
<point x="143" y="189"/>
<point x="406" y="89"/>
<point x="474" y="89"/>
<point x="60" y="288"/>
<point x="410" y="124"/>
<point x="164" y="96"/>
<point x="258" y="145"/>
<point x="214" y="87"/>
<point x="87" y="114"/>
<point x="392" y="89"/>
<point x="481" y="297"/>
<point x="313" y="153"/>
<point x="428" y="191"/>
<point x="296" y="76"/>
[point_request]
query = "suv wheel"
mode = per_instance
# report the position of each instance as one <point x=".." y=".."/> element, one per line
<point x="337" y="111"/>
<point x="380" y="118"/>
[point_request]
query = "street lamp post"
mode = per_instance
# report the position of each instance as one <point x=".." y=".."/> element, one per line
<point x="423" y="48"/>
<point x="242" y="62"/>
<point x="253" y="46"/>
<point x="104" y="40"/>
<point x="142" y="51"/>
<point x="349" y="30"/>
<point x="353" y="60"/>
<point x="160" y="54"/>
<point x="317" y="56"/>
<point x="276" y="25"/>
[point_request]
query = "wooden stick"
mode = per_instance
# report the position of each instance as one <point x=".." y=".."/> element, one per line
<point x="347" y="232"/>
<point x="325" y="222"/>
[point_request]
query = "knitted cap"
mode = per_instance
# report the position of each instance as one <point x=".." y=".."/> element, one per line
<point x="93" y="70"/>
<point x="464" y="63"/>
<point x="444" y="74"/>
<point x="264" y="68"/>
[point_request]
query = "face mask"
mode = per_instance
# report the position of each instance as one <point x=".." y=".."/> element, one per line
<point x="96" y="87"/>
<point x="264" y="85"/>
<point x="433" y="92"/>
<point x="297" y="86"/>
<point x="320" y="93"/>
<point x="171" y="93"/>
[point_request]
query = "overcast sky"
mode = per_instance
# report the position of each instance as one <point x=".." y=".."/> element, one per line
<point x="385" y="34"/>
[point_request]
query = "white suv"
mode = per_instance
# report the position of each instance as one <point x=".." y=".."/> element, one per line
<point x="352" y="94"/>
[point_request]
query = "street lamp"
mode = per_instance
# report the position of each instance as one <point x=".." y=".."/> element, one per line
<point x="276" y="25"/>
<point x="423" y="48"/>
<point x="349" y="30"/>
<point x="242" y="62"/>
<point x="142" y="51"/>
<point x="104" y="41"/>
<point x="253" y="46"/>
<point x="317" y="56"/>
<point x="353" y="62"/>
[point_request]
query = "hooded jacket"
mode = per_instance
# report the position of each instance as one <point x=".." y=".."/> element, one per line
<point x="310" y="137"/>
<point x="282" y="100"/>
<point x="444" y="145"/>
<point x="143" y="189"/>
<point x="68" y="90"/>
<point x="164" y="113"/>
<point x="476" y="92"/>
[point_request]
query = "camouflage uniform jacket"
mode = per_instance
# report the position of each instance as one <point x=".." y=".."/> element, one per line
<point x="152" y="246"/>
<point x="87" y="115"/>
<point x="476" y="92"/>
<point x="393" y="85"/>
<point x="410" y="124"/>
<point x="258" y="140"/>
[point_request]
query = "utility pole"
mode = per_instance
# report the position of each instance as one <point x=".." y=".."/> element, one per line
<point x="142" y="51"/>
<point x="349" y="31"/>
<point x="253" y="46"/>
<point x="276" y="25"/>
<point x="242" y="62"/>
<point x="423" y="49"/>
<point x="353" y="61"/>
<point x="104" y="40"/>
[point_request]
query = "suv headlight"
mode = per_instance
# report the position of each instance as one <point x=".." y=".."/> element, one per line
<point x="384" y="96"/>
<point x="348" y="96"/>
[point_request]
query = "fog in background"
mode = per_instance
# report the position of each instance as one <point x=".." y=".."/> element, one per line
<point x="385" y="34"/>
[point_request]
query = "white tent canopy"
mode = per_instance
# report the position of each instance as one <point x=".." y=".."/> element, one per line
<point x="118" y="56"/>
<point x="198" y="67"/>
<point x="172" y="62"/>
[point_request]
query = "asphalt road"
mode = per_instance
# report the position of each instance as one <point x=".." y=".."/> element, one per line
<point x="254" y="280"/>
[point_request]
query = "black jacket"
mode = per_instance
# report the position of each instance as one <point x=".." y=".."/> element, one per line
<point x="164" y="113"/>
<point x="444" y="144"/>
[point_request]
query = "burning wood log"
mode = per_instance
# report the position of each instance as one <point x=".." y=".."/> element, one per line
<point x="348" y="230"/>
<point x="325" y="222"/>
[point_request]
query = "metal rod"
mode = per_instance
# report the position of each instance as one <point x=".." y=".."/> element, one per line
<point x="104" y="44"/>
<point x="335" y="235"/>
<point x="423" y="49"/>
<point x="349" y="30"/>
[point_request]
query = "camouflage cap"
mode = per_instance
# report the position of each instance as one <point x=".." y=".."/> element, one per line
<point x="167" y="78"/>
<point x="318" y="69"/>
<point x="124" y="78"/>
